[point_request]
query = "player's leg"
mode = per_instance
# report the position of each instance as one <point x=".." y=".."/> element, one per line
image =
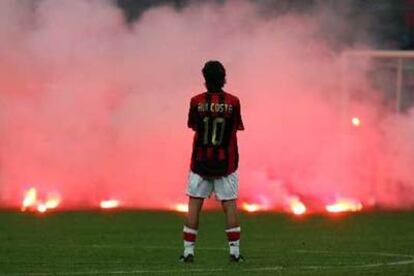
<point x="230" y="211"/>
<point x="198" y="189"/>
<point x="194" y="207"/>
<point x="226" y="189"/>
<point x="232" y="228"/>
<point x="190" y="228"/>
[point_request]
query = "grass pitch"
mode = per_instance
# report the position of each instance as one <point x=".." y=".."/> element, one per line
<point x="149" y="243"/>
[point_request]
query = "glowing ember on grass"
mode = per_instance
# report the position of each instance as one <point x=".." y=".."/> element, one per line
<point x="32" y="202"/>
<point x="344" y="205"/>
<point x="41" y="208"/>
<point x="251" y="207"/>
<point x="52" y="203"/>
<point x="356" y="122"/>
<point x="109" y="204"/>
<point x="296" y="206"/>
<point x="30" y="199"/>
<point x="182" y="208"/>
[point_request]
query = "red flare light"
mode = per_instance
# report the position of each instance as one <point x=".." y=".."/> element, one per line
<point x="109" y="204"/>
<point x="32" y="202"/>
<point x="52" y="203"/>
<point x="344" y="205"/>
<point x="41" y="208"/>
<point x="356" y="122"/>
<point x="296" y="206"/>
<point x="181" y="207"/>
<point x="30" y="199"/>
<point x="251" y="207"/>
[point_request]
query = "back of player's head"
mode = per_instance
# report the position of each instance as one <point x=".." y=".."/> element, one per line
<point x="214" y="75"/>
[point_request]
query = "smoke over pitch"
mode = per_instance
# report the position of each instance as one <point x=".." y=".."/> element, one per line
<point x="94" y="109"/>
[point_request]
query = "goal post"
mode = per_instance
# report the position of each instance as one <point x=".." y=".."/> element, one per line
<point x="390" y="73"/>
<point x="399" y="63"/>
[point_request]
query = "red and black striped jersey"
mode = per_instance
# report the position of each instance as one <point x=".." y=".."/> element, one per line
<point x="215" y="118"/>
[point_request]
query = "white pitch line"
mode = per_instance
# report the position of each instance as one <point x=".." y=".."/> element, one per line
<point x="123" y="246"/>
<point x="159" y="247"/>
<point x="98" y="272"/>
<point x="409" y="260"/>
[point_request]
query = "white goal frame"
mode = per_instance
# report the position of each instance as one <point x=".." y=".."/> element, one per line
<point x="400" y="56"/>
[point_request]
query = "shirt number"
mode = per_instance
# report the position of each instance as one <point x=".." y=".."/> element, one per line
<point x="218" y="126"/>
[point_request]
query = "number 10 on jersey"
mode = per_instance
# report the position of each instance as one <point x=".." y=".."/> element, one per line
<point x="216" y="126"/>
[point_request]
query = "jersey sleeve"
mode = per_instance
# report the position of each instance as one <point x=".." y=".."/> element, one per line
<point x="192" y="120"/>
<point x="239" y="120"/>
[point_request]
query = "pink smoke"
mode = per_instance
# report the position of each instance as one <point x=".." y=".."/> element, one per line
<point x="94" y="109"/>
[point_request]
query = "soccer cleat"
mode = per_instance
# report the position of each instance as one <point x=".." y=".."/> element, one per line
<point x="186" y="259"/>
<point x="238" y="259"/>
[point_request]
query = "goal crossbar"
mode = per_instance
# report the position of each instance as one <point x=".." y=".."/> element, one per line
<point x="381" y="53"/>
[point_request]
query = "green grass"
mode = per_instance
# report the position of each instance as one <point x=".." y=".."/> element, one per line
<point x="142" y="243"/>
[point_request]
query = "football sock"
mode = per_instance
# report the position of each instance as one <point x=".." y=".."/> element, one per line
<point x="233" y="236"/>
<point x="190" y="236"/>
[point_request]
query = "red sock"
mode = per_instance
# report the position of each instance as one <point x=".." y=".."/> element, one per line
<point x="189" y="236"/>
<point x="233" y="235"/>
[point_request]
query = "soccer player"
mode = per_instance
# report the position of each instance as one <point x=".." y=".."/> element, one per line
<point x="215" y="117"/>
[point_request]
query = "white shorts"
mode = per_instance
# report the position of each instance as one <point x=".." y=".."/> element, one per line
<point x="225" y="188"/>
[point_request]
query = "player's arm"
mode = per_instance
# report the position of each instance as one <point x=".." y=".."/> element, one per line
<point x="239" y="120"/>
<point x="192" y="120"/>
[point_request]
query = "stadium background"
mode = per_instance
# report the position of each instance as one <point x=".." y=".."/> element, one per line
<point x="94" y="150"/>
<point x="95" y="95"/>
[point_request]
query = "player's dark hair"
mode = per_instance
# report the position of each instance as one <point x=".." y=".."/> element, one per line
<point x="214" y="75"/>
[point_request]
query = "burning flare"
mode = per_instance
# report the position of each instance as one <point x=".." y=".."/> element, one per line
<point x="182" y="208"/>
<point x="251" y="207"/>
<point x="356" y="122"/>
<point x="296" y="206"/>
<point x="344" y="205"/>
<point x="52" y="203"/>
<point x="31" y="201"/>
<point x="109" y="204"/>
<point x="41" y="208"/>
